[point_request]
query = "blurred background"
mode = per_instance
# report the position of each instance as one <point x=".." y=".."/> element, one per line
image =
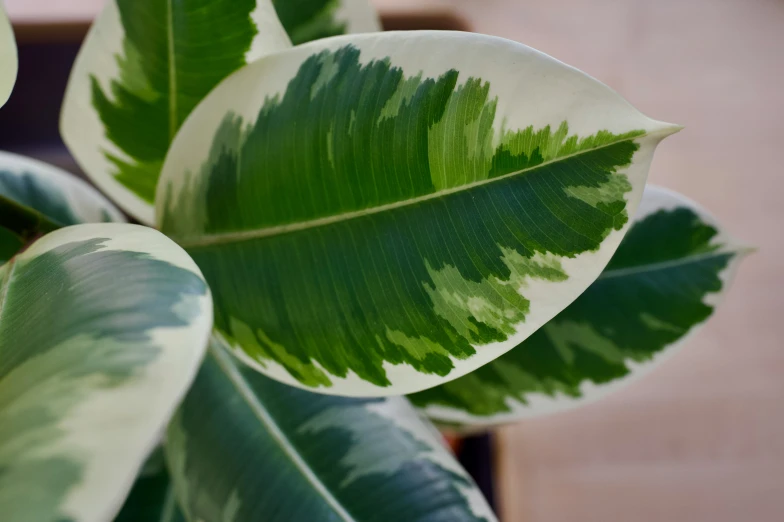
<point x="702" y="437"/>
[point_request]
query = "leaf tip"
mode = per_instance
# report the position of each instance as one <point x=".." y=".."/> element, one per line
<point x="662" y="129"/>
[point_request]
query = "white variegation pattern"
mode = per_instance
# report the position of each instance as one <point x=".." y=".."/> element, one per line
<point x="102" y="328"/>
<point x="538" y="92"/>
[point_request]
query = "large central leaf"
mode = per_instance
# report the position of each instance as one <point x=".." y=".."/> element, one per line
<point x="381" y="213"/>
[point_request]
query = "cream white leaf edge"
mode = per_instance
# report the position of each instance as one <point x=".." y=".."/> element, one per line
<point x="114" y="431"/>
<point x="561" y="93"/>
<point x="539" y="405"/>
<point x="9" y="62"/>
<point x="80" y="125"/>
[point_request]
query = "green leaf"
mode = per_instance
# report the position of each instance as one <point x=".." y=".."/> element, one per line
<point x="60" y="197"/>
<point x="243" y="447"/>
<point x="666" y="278"/>
<point x="381" y="213"/>
<point x="8" y="57"/>
<point x="151" y="499"/>
<point x="10" y="242"/>
<point x="307" y="20"/>
<point x="37" y="198"/>
<point x="142" y="69"/>
<point x="102" y="329"/>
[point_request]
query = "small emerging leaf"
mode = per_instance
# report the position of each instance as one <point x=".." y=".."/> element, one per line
<point x="102" y="328"/>
<point x="381" y="213"/>
<point x="244" y="448"/>
<point x="666" y="278"/>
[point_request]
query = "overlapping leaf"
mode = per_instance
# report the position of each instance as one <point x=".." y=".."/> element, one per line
<point x="102" y="328"/>
<point x="142" y="69"/>
<point x="8" y="57"/>
<point x="244" y="448"/>
<point x="666" y="278"/>
<point x="307" y="20"/>
<point x="382" y="213"/>
<point x="36" y="198"/>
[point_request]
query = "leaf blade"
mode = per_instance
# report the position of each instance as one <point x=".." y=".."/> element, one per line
<point x="661" y="286"/>
<point x="383" y="462"/>
<point x="82" y="353"/>
<point x="384" y="236"/>
<point x="9" y="61"/>
<point x="307" y="20"/>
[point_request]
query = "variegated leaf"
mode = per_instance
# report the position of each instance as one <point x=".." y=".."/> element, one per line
<point x="59" y="196"/>
<point x="36" y="198"/>
<point x="244" y="448"/>
<point x="307" y="20"/>
<point x="102" y="328"/>
<point x="665" y="280"/>
<point x="381" y="213"/>
<point x="142" y="69"/>
<point x="8" y="57"/>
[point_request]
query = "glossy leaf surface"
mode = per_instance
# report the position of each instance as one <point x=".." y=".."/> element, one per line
<point x="378" y="214"/>
<point x="102" y="328"/>
<point x="307" y="20"/>
<point x="243" y="447"/>
<point x="665" y="280"/>
<point x="142" y="69"/>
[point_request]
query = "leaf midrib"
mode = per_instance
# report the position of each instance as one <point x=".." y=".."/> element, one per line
<point x="661" y="265"/>
<point x="208" y="240"/>
<point x="227" y="366"/>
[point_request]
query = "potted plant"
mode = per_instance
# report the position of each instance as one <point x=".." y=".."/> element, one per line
<point x="339" y="240"/>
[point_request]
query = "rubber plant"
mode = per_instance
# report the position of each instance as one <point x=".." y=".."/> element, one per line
<point x="337" y="224"/>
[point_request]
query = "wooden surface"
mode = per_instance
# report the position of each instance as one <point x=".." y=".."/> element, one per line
<point x="702" y="438"/>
